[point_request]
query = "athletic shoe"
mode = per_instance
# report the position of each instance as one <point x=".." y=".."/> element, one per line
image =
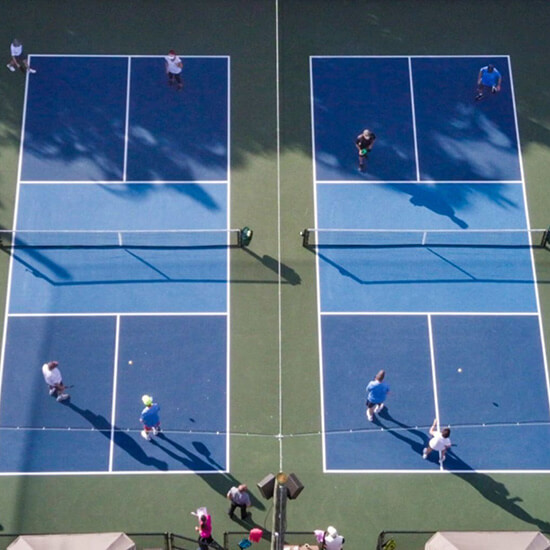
<point x="378" y="407"/>
<point x="11" y="67"/>
<point x="478" y="97"/>
<point x="63" y="397"/>
<point x="32" y="71"/>
<point x="156" y="431"/>
<point x="145" y="435"/>
<point x="425" y="454"/>
<point x="370" y="416"/>
<point x="53" y="391"/>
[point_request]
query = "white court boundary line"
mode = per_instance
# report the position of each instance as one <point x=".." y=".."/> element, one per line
<point x="124" y="182"/>
<point x="279" y="269"/>
<point x="318" y="276"/>
<point x="419" y="182"/>
<point x="413" y="119"/>
<point x="115" y="387"/>
<point x="429" y="314"/>
<point x="127" y="120"/>
<point x="118" y="315"/>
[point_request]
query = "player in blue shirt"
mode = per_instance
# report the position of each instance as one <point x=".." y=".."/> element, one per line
<point x="488" y="81"/>
<point x="377" y="391"/>
<point x="150" y="418"/>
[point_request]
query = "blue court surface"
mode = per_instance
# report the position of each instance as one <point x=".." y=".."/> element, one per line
<point x="456" y="326"/>
<point x="123" y="157"/>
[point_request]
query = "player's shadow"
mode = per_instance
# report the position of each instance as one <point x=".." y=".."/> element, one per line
<point x="120" y="438"/>
<point x="287" y="273"/>
<point x="417" y="443"/>
<point x="494" y="491"/>
<point x="432" y="200"/>
<point x="189" y="459"/>
<point x="220" y="483"/>
<point x="201" y="460"/>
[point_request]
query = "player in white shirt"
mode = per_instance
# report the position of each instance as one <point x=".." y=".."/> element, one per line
<point x="440" y="441"/>
<point x="17" y="60"/>
<point x="52" y="376"/>
<point x="174" y="67"/>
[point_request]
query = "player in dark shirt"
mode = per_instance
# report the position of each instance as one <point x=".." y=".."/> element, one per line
<point x="364" y="144"/>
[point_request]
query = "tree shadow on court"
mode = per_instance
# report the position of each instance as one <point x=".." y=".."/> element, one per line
<point x="120" y="438"/>
<point x="287" y="273"/>
<point x="135" y="192"/>
<point x="494" y="491"/>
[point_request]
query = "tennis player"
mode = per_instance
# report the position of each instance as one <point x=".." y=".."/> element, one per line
<point x="17" y="60"/>
<point x="174" y="66"/>
<point x="489" y="81"/>
<point x="149" y="418"/>
<point x="377" y="391"/>
<point x="52" y="376"/>
<point x="439" y="442"/>
<point x="364" y="143"/>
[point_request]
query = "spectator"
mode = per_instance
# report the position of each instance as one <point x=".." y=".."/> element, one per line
<point x="239" y="498"/>
<point x="204" y="528"/>
<point x="329" y="539"/>
<point x="17" y="60"/>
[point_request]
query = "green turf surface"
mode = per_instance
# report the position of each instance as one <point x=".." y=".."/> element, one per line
<point x="274" y="348"/>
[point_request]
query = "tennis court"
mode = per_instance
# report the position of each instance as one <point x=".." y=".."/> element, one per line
<point x="425" y="267"/>
<point x="108" y="171"/>
<point x="119" y="268"/>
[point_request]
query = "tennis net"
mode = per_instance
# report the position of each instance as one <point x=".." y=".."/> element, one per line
<point x="402" y="238"/>
<point x="162" y="238"/>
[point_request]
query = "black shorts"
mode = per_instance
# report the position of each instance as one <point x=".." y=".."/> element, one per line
<point x="176" y="77"/>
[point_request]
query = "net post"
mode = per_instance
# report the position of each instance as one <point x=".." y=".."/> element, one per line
<point x="280" y="495"/>
<point x="305" y="237"/>
<point x="545" y="242"/>
<point x="244" y="236"/>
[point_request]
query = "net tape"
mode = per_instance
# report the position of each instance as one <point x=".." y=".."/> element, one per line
<point x="398" y="238"/>
<point x="177" y="238"/>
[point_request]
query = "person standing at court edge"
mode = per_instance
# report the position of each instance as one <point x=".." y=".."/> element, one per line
<point x="239" y="498"/>
<point x="204" y="529"/>
<point x="17" y="60"/>
<point x="174" y="67"/>
<point x="377" y="391"/>
<point x="329" y="539"/>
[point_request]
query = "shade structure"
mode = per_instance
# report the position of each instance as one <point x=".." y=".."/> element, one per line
<point x="88" y="541"/>
<point x="488" y="540"/>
